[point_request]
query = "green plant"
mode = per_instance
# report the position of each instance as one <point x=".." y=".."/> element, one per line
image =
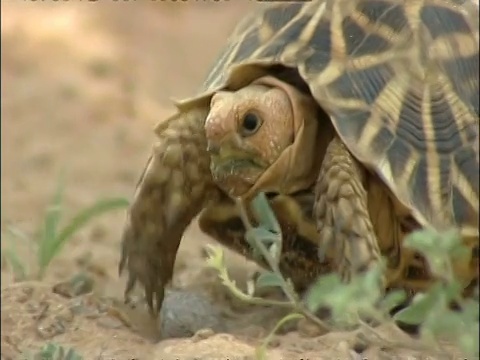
<point x="362" y="298"/>
<point x="52" y="351"/>
<point x="460" y="325"/>
<point x="52" y="237"/>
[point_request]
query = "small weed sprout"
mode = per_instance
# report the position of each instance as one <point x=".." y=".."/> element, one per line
<point x="369" y="301"/>
<point x="52" y="237"/>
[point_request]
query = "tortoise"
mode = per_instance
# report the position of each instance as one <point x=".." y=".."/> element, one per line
<point x="358" y="119"/>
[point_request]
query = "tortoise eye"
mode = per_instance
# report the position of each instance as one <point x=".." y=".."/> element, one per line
<point x="250" y="124"/>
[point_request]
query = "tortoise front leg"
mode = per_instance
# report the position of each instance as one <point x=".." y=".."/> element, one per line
<point x="341" y="212"/>
<point x="175" y="185"/>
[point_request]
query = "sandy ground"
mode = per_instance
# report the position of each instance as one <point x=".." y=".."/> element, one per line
<point x="83" y="84"/>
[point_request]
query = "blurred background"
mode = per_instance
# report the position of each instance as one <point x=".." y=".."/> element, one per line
<point x="83" y="84"/>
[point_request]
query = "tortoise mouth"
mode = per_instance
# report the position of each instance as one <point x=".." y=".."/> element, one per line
<point x="236" y="173"/>
<point x="233" y="163"/>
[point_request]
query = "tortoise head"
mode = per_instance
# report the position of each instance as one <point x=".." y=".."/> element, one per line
<point x="248" y="130"/>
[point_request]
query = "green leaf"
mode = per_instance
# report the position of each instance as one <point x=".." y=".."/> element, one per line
<point x="262" y="235"/>
<point x="470" y="309"/>
<point x="269" y="279"/>
<point x="469" y="341"/>
<point x="275" y="252"/>
<point x="452" y="324"/>
<point x="418" y="311"/>
<point x="317" y="294"/>
<point x="420" y="240"/>
<point x="392" y="300"/>
<point x="254" y="236"/>
<point x="452" y="291"/>
<point x="53" y="351"/>
<point x="51" y="248"/>
<point x="429" y="240"/>
<point x="264" y="213"/>
<point x="370" y="282"/>
<point x="447" y="323"/>
<point x="439" y="249"/>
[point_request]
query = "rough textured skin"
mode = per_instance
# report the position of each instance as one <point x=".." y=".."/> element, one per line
<point x="341" y="212"/>
<point x="398" y="81"/>
<point x="172" y="189"/>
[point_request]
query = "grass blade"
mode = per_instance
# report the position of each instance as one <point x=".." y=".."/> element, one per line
<point x="18" y="267"/>
<point x="15" y="232"/>
<point x="80" y="220"/>
<point x="52" y="219"/>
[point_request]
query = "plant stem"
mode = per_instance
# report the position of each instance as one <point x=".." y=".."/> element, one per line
<point x="285" y="286"/>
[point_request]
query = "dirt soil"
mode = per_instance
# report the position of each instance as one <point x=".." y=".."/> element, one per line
<point x="83" y="84"/>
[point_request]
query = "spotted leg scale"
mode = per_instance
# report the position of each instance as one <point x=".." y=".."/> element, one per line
<point x="174" y="187"/>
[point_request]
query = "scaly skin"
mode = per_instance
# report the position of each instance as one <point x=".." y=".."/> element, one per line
<point x="175" y="185"/>
<point x="341" y="212"/>
<point x="357" y="221"/>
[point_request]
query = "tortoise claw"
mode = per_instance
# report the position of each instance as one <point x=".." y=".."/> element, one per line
<point x="154" y="295"/>
<point x="148" y="261"/>
<point x="130" y="285"/>
<point x="149" y="298"/>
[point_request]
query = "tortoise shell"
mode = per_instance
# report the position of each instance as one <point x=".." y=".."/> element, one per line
<point x="399" y="81"/>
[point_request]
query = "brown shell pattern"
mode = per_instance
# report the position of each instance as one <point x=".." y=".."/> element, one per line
<point x="399" y="79"/>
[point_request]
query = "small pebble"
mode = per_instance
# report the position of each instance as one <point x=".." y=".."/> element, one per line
<point x="79" y="284"/>
<point x="110" y="323"/>
<point x="185" y="313"/>
<point x="203" y="334"/>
